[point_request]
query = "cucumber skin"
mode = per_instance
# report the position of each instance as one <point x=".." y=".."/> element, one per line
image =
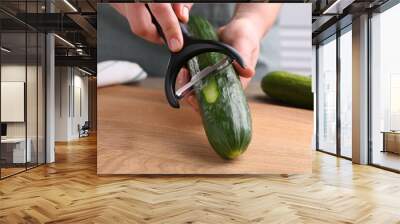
<point x="289" y="88"/>
<point x="227" y="120"/>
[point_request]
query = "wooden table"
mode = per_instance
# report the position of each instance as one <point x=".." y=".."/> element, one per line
<point x="15" y="152"/>
<point x="391" y="141"/>
<point x="139" y="133"/>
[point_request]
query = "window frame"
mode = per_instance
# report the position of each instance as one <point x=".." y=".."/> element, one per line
<point x="29" y="29"/>
<point x="333" y="37"/>
<point x="378" y="10"/>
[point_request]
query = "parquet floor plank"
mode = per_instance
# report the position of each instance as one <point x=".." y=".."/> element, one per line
<point x="69" y="191"/>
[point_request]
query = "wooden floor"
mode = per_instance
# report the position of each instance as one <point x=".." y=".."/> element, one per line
<point x="10" y="171"/>
<point x="387" y="159"/>
<point x="69" y="191"/>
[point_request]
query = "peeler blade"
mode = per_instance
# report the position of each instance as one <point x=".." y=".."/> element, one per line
<point x="225" y="62"/>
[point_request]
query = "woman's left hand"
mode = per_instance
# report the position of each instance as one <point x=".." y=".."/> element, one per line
<point x="242" y="34"/>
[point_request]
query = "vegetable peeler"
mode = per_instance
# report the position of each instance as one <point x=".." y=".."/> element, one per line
<point x="191" y="48"/>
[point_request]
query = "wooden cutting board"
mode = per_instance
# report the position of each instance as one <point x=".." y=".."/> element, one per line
<point x="139" y="133"/>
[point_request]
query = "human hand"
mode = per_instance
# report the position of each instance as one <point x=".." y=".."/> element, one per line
<point x="243" y="35"/>
<point x="168" y="16"/>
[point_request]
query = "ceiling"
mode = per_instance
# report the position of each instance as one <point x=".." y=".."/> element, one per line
<point x="331" y="15"/>
<point x="19" y="54"/>
<point x="35" y="6"/>
<point x="72" y="20"/>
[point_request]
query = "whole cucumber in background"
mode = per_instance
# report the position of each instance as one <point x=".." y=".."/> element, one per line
<point x="289" y="88"/>
<point x="223" y="105"/>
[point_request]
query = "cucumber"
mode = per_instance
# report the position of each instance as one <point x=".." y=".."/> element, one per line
<point x="289" y="88"/>
<point x="223" y="105"/>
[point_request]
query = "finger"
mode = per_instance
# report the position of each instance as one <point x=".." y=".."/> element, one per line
<point x="182" y="78"/>
<point x="192" y="101"/>
<point x="169" y="23"/>
<point x="182" y="11"/>
<point x="244" y="72"/>
<point x="247" y="54"/>
<point x="139" y="20"/>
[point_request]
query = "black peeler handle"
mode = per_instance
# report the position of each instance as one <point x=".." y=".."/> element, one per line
<point x="191" y="48"/>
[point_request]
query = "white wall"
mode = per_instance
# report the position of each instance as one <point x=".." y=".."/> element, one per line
<point x="15" y="72"/>
<point x="12" y="100"/>
<point x="82" y="82"/>
<point x="80" y="109"/>
<point x="70" y="84"/>
<point x="62" y="83"/>
<point x="295" y="38"/>
<point x="33" y="126"/>
<point x="12" y="73"/>
<point x="287" y="45"/>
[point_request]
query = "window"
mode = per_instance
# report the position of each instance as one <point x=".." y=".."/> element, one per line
<point x="385" y="89"/>
<point x="327" y="96"/>
<point x="22" y="88"/>
<point x="346" y="92"/>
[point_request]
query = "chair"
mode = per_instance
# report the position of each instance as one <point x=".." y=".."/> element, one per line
<point x="84" y="130"/>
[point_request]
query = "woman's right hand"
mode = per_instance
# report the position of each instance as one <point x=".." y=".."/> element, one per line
<point x="168" y="16"/>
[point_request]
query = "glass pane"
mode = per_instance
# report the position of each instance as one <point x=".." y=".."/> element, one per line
<point x="346" y="94"/>
<point x="327" y="97"/>
<point x="32" y="90"/>
<point x="386" y="89"/>
<point x="13" y="87"/>
<point x="31" y="98"/>
<point x="41" y="98"/>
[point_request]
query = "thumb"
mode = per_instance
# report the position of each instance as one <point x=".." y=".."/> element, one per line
<point x="246" y="53"/>
<point x="242" y="46"/>
<point x="220" y="32"/>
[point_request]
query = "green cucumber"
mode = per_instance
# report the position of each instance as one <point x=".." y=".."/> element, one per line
<point x="223" y="105"/>
<point x="289" y="88"/>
